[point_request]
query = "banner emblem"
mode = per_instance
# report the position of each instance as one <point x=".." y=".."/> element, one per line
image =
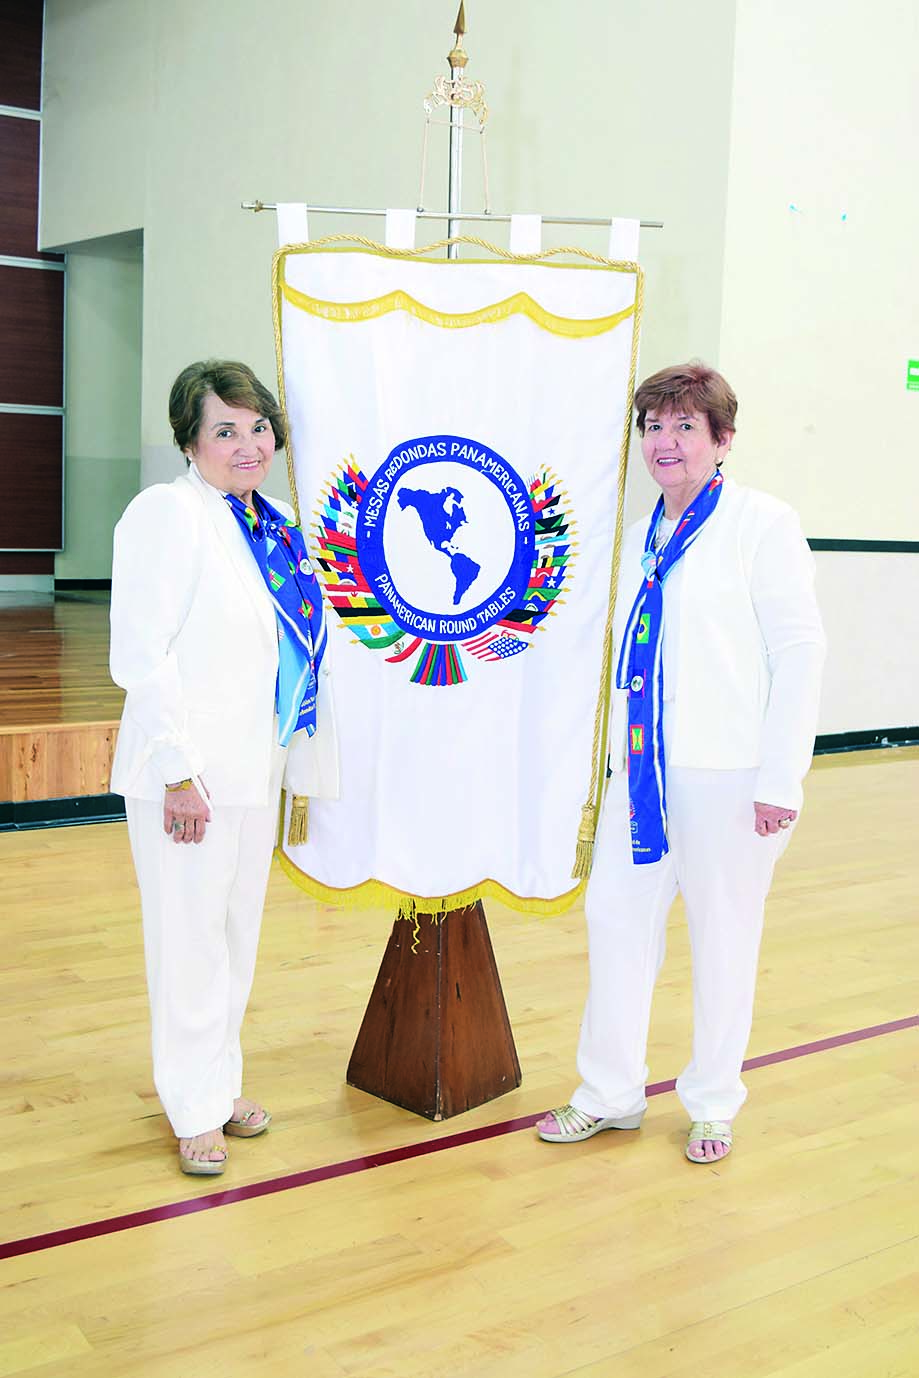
<point x="445" y="547"/>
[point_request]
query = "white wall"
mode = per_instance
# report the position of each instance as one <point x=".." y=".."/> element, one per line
<point x="102" y="425"/>
<point x="872" y="672"/>
<point x="820" y="313"/>
<point x="97" y="117"/>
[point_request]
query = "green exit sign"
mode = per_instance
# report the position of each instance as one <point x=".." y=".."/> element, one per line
<point x="912" y="375"/>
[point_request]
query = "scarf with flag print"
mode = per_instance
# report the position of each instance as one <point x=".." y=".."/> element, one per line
<point x="280" y="553"/>
<point x="640" y="670"/>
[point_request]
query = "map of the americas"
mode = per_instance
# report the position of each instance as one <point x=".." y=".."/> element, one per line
<point x="441" y="515"/>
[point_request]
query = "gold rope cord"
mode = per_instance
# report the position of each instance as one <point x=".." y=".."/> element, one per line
<point x="282" y="394"/>
<point x="384" y="251"/>
<point x="590" y="812"/>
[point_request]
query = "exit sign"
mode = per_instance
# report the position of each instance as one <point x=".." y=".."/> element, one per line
<point x="912" y="375"/>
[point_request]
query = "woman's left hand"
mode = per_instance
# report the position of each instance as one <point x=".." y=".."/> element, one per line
<point x="772" y="818"/>
<point x="185" y="814"/>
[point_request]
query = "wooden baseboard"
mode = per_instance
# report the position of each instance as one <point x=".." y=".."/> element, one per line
<point x="60" y="760"/>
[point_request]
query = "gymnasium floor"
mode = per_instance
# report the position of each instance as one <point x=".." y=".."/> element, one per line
<point x="484" y="1253"/>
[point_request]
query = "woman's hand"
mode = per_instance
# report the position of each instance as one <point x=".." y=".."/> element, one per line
<point x="771" y="818"/>
<point x="185" y="814"/>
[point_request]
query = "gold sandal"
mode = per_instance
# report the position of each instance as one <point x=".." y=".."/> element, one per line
<point x="242" y="1129"/>
<point x="203" y="1167"/>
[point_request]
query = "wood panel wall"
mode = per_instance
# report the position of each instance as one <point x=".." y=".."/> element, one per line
<point x="19" y="153"/>
<point x="31" y="314"/>
<point x="20" y="43"/>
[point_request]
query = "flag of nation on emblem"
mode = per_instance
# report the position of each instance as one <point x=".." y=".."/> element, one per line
<point x="495" y="645"/>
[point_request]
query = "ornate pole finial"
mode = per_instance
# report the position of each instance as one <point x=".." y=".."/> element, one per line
<point x="456" y="94"/>
<point x="457" y="57"/>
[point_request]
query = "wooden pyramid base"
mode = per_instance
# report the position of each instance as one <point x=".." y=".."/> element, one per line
<point x="435" y="1037"/>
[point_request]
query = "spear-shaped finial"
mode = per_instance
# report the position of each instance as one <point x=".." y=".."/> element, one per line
<point x="458" y="58"/>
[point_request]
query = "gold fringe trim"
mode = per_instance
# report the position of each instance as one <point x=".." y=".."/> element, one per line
<point x="376" y="894"/>
<point x="410" y="908"/>
<point x="298" y="826"/>
<point x="520" y="304"/>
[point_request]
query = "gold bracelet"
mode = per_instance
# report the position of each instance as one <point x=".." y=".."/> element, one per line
<point x="182" y="784"/>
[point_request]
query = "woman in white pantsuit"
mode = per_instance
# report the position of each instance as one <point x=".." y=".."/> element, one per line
<point x="718" y="652"/>
<point x="218" y="637"/>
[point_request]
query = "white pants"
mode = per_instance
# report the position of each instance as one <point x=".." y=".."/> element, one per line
<point x="723" y="870"/>
<point x="202" y="911"/>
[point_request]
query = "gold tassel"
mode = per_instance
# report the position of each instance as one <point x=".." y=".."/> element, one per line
<point x="299" y="819"/>
<point x="584" y="852"/>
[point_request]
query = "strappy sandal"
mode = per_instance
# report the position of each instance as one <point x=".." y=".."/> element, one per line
<point x="716" y="1131"/>
<point x="574" y="1125"/>
<point x="243" y="1127"/>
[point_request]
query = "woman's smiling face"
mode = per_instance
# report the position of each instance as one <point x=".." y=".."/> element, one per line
<point x="233" y="449"/>
<point x="681" y="454"/>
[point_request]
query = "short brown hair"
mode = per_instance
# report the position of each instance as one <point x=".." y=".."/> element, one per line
<point x="234" y="383"/>
<point x="692" y="387"/>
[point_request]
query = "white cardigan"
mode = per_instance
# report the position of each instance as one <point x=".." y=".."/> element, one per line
<point x="195" y="645"/>
<point x="743" y="645"/>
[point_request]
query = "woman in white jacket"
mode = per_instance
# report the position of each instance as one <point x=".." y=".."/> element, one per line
<point x="219" y="639"/>
<point x="719" y="650"/>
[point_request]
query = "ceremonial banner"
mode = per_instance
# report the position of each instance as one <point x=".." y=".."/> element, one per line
<point x="458" y="440"/>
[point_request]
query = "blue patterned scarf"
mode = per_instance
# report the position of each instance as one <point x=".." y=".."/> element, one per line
<point x="280" y="553"/>
<point x="640" y="670"/>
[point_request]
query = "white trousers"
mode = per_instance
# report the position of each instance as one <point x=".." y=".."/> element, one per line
<point x="723" y="870"/>
<point x="202" y="911"/>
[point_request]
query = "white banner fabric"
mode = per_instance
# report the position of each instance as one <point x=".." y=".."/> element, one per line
<point x="456" y="431"/>
<point x="293" y="223"/>
<point x="624" y="236"/>
<point x="400" y="228"/>
<point x="525" y="234"/>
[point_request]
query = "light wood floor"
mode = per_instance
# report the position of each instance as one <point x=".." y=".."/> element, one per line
<point x="798" y="1257"/>
<point x="54" y="663"/>
<point x="59" y="709"/>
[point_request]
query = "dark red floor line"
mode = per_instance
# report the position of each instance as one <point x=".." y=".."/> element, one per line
<point x="115" y="1224"/>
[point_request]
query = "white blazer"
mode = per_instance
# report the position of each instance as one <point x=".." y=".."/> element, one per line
<point x="194" y="643"/>
<point x="743" y="645"/>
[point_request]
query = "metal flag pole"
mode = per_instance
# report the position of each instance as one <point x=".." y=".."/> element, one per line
<point x="457" y="60"/>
